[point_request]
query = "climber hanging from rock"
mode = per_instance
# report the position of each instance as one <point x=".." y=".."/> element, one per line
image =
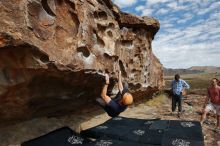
<point x="114" y="106"/>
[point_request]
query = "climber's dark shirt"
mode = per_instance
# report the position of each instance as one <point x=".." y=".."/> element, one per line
<point x="113" y="108"/>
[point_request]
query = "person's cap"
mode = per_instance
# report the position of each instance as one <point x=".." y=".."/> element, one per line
<point x="127" y="99"/>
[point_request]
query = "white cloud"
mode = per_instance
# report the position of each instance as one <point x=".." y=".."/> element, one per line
<point x="124" y="3"/>
<point x="167" y="25"/>
<point x="213" y="6"/>
<point x="189" y="33"/>
<point x="176" y="6"/>
<point x="186" y="17"/>
<point x="162" y="11"/>
<point x="147" y="12"/>
<point x="139" y="8"/>
<point x="194" y="45"/>
<point x="152" y="2"/>
<point x="179" y="50"/>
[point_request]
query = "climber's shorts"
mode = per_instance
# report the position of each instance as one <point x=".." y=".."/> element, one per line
<point x="213" y="107"/>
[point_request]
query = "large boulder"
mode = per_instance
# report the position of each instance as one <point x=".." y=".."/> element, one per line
<point x="53" y="54"/>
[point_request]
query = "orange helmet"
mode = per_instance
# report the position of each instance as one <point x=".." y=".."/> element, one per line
<point x="127" y="99"/>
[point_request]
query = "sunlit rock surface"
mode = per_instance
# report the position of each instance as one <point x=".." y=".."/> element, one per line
<point x="53" y="54"/>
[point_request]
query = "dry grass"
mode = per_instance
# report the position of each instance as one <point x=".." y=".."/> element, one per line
<point x="157" y="101"/>
<point x="198" y="82"/>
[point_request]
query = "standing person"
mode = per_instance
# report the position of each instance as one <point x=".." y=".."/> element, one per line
<point x="212" y="102"/>
<point x="114" y="106"/>
<point x="178" y="86"/>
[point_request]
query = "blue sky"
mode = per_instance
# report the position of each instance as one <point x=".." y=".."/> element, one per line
<point x="189" y="32"/>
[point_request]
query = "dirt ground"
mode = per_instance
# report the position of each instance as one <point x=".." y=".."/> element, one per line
<point x="159" y="107"/>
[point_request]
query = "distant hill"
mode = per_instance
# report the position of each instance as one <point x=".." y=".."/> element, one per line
<point x="206" y="69"/>
<point x="191" y="70"/>
<point x="171" y="72"/>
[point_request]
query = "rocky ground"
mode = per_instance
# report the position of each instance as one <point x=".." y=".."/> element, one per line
<point x="159" y="107"/>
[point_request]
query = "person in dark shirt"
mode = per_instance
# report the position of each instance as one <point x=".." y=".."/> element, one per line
<point x="114" y="106"/>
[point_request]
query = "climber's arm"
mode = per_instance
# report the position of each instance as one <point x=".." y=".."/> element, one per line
<point x="104" y="95"/>
<point x="120" y="85"/>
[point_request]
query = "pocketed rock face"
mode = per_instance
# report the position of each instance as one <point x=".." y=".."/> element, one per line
<point x="53" y="54"/>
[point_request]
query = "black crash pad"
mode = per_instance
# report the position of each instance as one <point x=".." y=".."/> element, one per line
<point x="60" y="137"/>
<point x="129" y="122"/>
<point x="191" y="125"/>
<point x="122" y="131"/>
<point x="185" y="134"/>
<point x="180" y="142"/>
<point x="114" y="132"/>
<point x="117" y="127"/>
<point x="105" y="141"/>
<point x="128" y="129"/>
<point x="137" y="135"/>
<point x="188" y="130"/>
<point x="160" y="125"/>
<point x="143" y="135"/>
<point x="154" y="132"/>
